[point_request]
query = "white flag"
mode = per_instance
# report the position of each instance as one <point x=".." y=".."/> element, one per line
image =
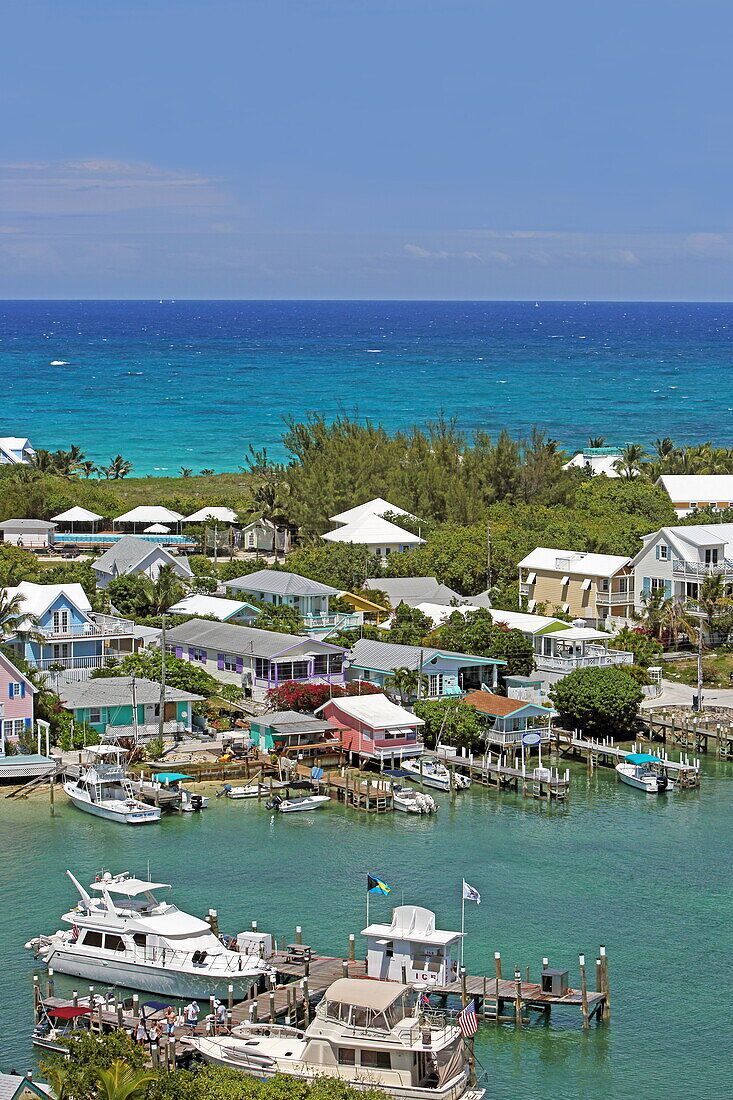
<point x="470" y="894"/>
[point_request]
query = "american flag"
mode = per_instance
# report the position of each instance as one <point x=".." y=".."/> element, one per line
<point x="468" y="1020"/>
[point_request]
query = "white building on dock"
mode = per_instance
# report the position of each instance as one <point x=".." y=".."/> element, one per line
<point x="411" y="949"/>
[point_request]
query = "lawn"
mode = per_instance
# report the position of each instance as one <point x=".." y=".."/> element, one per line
<point x="717" y="669"/>
<point x="209" y="488"/>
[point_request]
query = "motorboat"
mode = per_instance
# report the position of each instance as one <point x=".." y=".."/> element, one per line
<point x="121" y="934"/>
<point x="103" y="789"/>
<point x="645" y="772"/>
<point x="433" y="773"/>
<point x="289" y="805"/>
<point x="167" y="790"/>
<point x="57" y="1026"/>
<point x="249" y="790"/>
<point x="410" y="801"/>
<point x="370" y="1034"/>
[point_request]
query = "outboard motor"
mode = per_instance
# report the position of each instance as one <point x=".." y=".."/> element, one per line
<point x="197" y="802"/>
<point x="225" y="790"/>
<point x="274" y="802"/>
<point x="662" y="783"/>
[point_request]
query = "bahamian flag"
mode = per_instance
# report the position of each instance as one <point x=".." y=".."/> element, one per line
<point x="376" y="886"/>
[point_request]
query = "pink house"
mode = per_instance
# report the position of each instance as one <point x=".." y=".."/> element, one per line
<point x="16" y="702"/>
<point x="373" y="728"/>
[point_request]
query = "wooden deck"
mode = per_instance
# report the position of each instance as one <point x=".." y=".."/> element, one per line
<point x="503" y="772"/>
<point x="606" y="754"/>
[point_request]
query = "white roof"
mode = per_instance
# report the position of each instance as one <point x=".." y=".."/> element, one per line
<point x="414" y="924"/>
<point x="145" y="513"/>
<point x="37" y="598"/>
<point x="157" y="529"/>
<point x="574" y="562"/>
<point x="76" y="514"/>
<point x="697" y="535"/>
<point x="598" y="464"/>
<point x="376" y="711"/>
<point x="128" y="887"/>
<point x="219" y="608"/>
<point x="700" y="488"/>
<point x="372" y="531"/>
<point x="376" y="507"/>
<point x="224" y="515"/>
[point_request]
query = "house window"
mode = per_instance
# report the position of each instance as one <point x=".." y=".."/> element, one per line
<point x="95" y="715"/>
<point x="655" y="584"/>
<point x="692" y="590"/>
<point x="435" y="685"/>
<point x="60" y="622"/>
<point x="663" y="552"/>
<point x="320" y="664"/>
<point x="13" y="727"/>
<point x="230" y="663"/>
<point x="262" y="668"/>
<point x="336" y="662"/>
<point x="604" y="585"/>
<point x="711" y="557"/>
<point x="292" y="670"/>
<point x="60" y="651"/>
<point x="15" y="691"/>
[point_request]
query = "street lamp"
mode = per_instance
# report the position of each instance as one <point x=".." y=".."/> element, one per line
<point x="701" y="615"/>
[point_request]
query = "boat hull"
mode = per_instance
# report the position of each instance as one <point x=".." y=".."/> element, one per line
<point x="646" y="783"/>
<point x="130" y="817"/>
<point x="302" y="807"/>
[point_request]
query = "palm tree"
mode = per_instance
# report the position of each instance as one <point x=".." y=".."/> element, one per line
<point x="596" y="441"/>
<point x="43" y="461"/>
<point x="405" y="682"/>
<point x="269" y="502"/>
<point x="629" y="464"/>
<point x="164" y="591"/>
<point x="185" y="471"/>
<point x="88" y="468"/>
<point x="117" y="469"/>
<point x="58" y="1078"/>
<point x="12" y="616"/>
<point x="665" y="448"/>
<point x="122" y="1082"/>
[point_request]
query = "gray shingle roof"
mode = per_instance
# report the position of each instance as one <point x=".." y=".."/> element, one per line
<point x="242" y="640"/>
<point x="276" y="582"/>
<point x="126" y="554"/>
<point x="413" y="590"/>
<point x="27" y="525"/>
<point x="386" y="656"/>
<point x="116" y="691"/>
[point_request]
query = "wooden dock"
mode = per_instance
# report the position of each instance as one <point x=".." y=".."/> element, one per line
<point x="505" y="773"/>
<point x="606" y="754"/>
<point x="703" y="733"/>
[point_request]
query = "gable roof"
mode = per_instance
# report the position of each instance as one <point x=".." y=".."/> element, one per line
<point x="413" y="590"/>
<point x="700" y="488"/>
<point x="387" y="656"/>
<point x="130" y="552"/>
<point x="37" y="598"/>
<point x="15" y="673"/>
<point x="289" y="721"/>
<point x="277" y="582"/>
<point x="27" y="525"/>
<point x="515" y="620"/>
<point x="77" y="514"/>
<point x="149" y="513"/>
<point x="200" y="604"/>
<point x="243" y="640"/>
<point x="693" y="536"/>
<point x="377" y="507"/>
<point x="577" y="563"/>
<point x="372" y="529"/>
<point x="375" y="711"/>
<point x="224" y="515"/>
<point x="116" y="691"/>
<point x="13" y="1084"/>
<point x="500" y="706"/>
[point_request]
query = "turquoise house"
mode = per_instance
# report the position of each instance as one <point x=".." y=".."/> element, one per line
<point x="286" y="731"/>
<point x="118" y="707"/>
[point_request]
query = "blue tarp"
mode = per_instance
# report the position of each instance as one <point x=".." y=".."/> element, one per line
<point x="642" y="758"/>
<point x="169" y="777"/>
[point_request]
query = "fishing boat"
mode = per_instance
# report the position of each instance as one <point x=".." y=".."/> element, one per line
<point x="645" y="772"/>
<point x="58" y="1025"/>
<point x="103" y="789"/>
<point x="367" y="1033"/>
<point x="410" y="801"/>
<point x="288" y="805"/>
<point x="167" y="790"/>
<point x="123" y="935"/>
<point x="432" y="773"/>
<point x="249" y="790"/>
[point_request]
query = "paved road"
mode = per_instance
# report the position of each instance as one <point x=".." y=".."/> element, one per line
<point x="675" y="694"/>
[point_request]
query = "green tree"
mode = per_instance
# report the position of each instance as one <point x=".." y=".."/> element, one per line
<point x="601" y="702"/>
<point x="283" y="618"/>
<point x="185" y="675"/>
<point x="344" y="566"/>
<point x="478" y="633"/>
<point x="403" y="684"/>
<point x="128" y="595"/>
<point x="118" y="468"/>
<point x="630" y="463"/>
<point x="17" y="565"/>
<point x="646" y="650"/>
<point x="164" y="591"/>
<point x="409" y="626"/>
<point x="449" y="721"/>
<point x="122" y="1082"/>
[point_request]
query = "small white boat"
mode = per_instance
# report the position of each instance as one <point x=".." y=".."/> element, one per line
<point x="645" y="772"/>
<point x="297" y="805"/>
<point x="104" y="790"/>
<point x="120" y="933"/>
<point x="410" y="801"/>
<point x="432" y="773"/>
<point x="249" y="790"/>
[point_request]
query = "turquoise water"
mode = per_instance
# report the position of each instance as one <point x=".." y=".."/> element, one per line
<point x="649" y="877"/>
<point x="192" y="384"/>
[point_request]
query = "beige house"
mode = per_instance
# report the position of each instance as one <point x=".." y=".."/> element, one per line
<point x="597" y="588"/>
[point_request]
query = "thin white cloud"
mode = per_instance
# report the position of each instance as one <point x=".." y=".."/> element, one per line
<point x="421" y="253"/>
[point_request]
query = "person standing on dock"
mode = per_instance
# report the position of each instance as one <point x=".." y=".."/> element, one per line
<point x="170" y="1023"/>
<point x="191" y="1013"/>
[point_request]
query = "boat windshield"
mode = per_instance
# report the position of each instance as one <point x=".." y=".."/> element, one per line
<point x="362" y="1017"/>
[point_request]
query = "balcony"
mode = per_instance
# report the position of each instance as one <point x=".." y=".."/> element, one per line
<point x="145" y="731"/>
<point x="682" y="568"/>
<point x="593" y="657"/>
<point x="325" y="622"/>
<point x="615" y="597"/>
<point x="98" y="626"/>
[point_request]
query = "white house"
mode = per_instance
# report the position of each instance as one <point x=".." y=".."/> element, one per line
<point x="215" y="607"/>
<point x="133" y="555"/>
<point x="29" y="533"/>
<point x="376" y="507"/>
<point x="411" y="949"/>
<point x="15" y="451"/>
<point x="264" y="537"/>
<point x="597" y="460"/>
<point x="678" y="559"/>
<point x="690" y="492"/>
<point x="309" y="598"/>
<point x="377" y="535"/>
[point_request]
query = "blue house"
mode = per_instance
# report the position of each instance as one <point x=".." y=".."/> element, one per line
<point x="309" y="598"/>
<point x="62" y="634"/>
<point x="447" y="673"/>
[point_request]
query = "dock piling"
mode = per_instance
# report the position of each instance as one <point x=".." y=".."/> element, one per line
<point x="584" y="992"/>
<point x="74" y="998"/>
<point x="352" y="947"/>
<point x="517" y="997"/>
<point x="606" y="986"/>
<point x="345" y="968"/>
<point x="50" y="984"/>
<point x="230" y="997"/>
<point x="298" y="934"/>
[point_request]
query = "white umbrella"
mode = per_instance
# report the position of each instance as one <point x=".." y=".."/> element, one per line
<point x="157" y="529"/>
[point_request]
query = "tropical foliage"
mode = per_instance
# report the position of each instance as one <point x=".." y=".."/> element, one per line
<point x="449" y="721"/>
<point x="601" y="702"/>
<point x="179" y="673"/>
<point x="306" y="698"/>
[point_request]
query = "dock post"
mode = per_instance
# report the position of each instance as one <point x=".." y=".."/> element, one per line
<point x="517" y="997"/>
<point x="345" y="968"/>
<point x="584" y="992"/>
<point x="352" y="947"/>
<point x="271" y="998"/>
<point x="172" y="1046"/>
<point x="52" y="796"/>
<point x="74" y="998"/>
<point x="253" y="1012"/>
<point x="136" y="1006"/>
<point x="230" y="997"/>
<point x="306" y="1001"/>
<point x="298" y="934"/>
<point x="464" y="992"/>
<point x="36" y="997"/>
<point x="483" y="997"/>
<point x="120" y="1015"/>
<point x="100" y="1022"/>
<point x="214" y="921"/>
<point x="497" y="964"/>
<point x="599" y="975"/>
<point x="50" y="984"/>
<point x="212" y="1011"/>
<point x="606" y="986"/>
<point x="254" y="926"/>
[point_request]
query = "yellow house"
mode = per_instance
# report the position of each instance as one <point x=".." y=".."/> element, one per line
<point x="592" y="587"/>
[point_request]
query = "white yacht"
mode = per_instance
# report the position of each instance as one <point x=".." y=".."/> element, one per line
<point x="104" y="790"/>
<point x="645" y="772"/>
<point x="432" y="773"/>
<point x="125" y="936"/>
<point x="370" y="1034"/>
<point x="297" y="805"/>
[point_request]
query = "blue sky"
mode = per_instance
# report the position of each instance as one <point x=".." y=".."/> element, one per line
<point x="366" y="149"/>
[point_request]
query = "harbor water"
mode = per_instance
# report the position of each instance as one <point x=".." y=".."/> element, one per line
<point x="651" y="877"/>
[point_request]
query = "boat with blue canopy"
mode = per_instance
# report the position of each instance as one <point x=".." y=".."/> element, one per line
<point x="646" y="772"/>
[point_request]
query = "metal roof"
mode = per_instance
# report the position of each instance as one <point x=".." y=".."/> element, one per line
<point x="413" y="590"/>
<point x="26" y="525"/>
<point x="244" y="640"/>
<point x="386" y="656"/>
<point x="130" y="551"/>
<point x="370" y="530"/>
<point x="116" y="691"/>
<point x="277" y="582"/>
<point x="377" y="507"/>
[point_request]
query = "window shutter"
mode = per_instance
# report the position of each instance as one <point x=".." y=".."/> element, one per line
<point x="22" y="689"/>
<point x="667" y="589"/>
<point x="220" y="661"/>
<point x="646" y="586"/>
<point x="179" y="651"/>
<point x="10" y="690"/>
<point x="27" y="722"/>
<point x="240" y="664"/>
<point x="657" y="548"/>
<point x="191" y="653"/>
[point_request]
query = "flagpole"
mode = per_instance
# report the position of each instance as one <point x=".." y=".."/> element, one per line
<point x="367" y="908"/>
<point x="463" y="918"/>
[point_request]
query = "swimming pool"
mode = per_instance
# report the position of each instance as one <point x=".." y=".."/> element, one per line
<point x="106" y="538"/>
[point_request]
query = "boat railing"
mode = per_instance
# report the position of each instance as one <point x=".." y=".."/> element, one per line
<point x="229" y="963"/>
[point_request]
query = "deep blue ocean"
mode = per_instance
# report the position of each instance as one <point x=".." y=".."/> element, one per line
<point x="171" y="384"/>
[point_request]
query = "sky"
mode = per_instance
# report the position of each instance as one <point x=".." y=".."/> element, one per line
<point x="477" y="149"/>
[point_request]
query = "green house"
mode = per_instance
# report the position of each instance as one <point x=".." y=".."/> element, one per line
<point x="120" y="706"/>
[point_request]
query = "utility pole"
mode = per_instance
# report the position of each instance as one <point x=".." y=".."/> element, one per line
<point x="161" y="706"/>
<point x="488" y="557"/>
<point x="134" y="713"/>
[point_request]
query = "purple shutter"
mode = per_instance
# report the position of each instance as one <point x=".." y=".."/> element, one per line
<point x="191" y="653"/>
<point x="179" y="651"/>
<point x="240" y="664"/>
<point x="220" y="661"/>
